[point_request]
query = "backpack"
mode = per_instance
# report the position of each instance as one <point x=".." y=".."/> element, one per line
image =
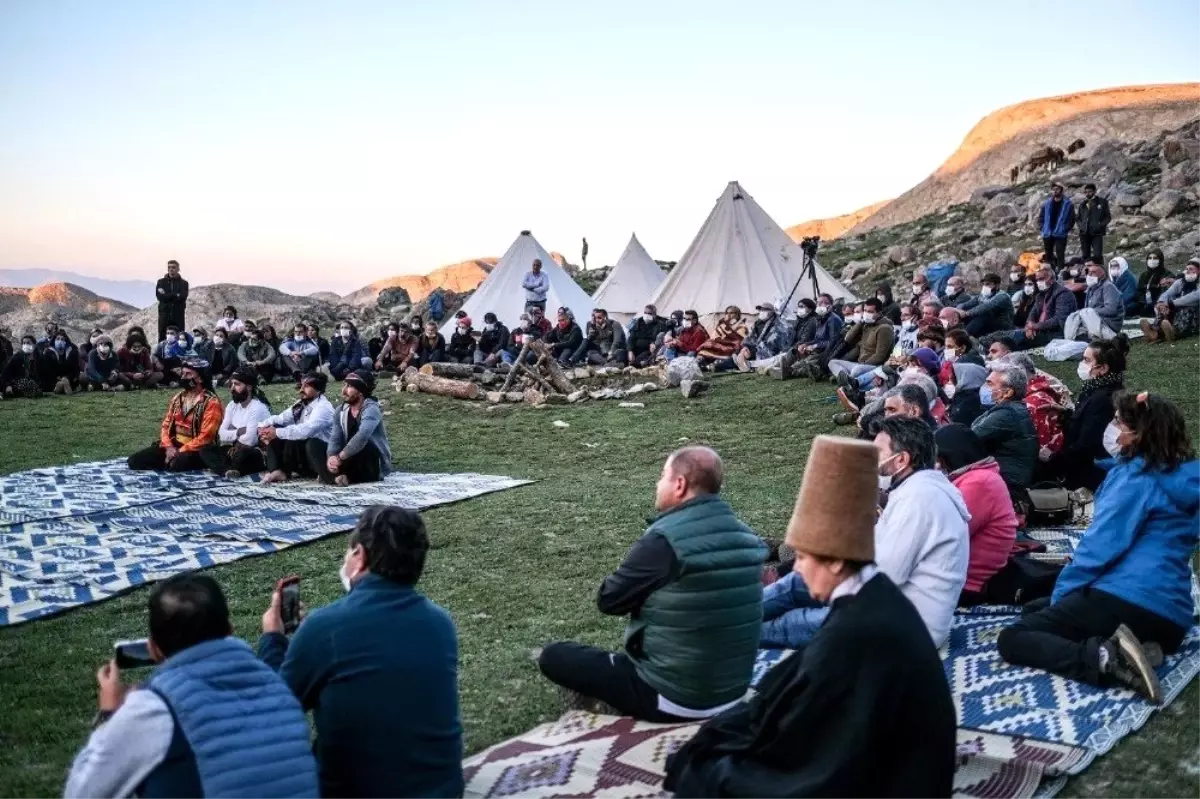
<point x="1021" y="579"/>
<point x="437" y="306"/>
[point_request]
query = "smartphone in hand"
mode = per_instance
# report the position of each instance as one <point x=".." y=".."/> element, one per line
<point x="289" y="606"/>
<point x="133" y="654"/>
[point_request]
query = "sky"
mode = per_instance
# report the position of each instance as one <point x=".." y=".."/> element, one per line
<point x="320" y="145"/>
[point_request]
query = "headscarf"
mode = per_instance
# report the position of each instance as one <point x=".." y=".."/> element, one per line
<point x="969" y="376"/>
<point x="1121" y="262"/>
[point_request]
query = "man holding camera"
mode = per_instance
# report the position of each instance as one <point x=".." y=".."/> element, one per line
<point x="211" y="720"/>
<point x="378" y="668"/>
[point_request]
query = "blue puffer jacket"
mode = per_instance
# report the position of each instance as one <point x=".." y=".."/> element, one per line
<point x="1060" y="227"/>
<point x="244" y="726"/>
<point x="1141" y="539"/>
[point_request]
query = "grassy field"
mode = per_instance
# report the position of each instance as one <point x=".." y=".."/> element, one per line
<point x="516" y="569"/>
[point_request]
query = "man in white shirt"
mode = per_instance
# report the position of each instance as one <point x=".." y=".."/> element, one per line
<point x="537" y="285"/>
<point x="296" y="439"/>
<point x="236" y="452"/>
<point x="921" y="542"/>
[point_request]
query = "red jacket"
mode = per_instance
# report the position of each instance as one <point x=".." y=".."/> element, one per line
<point x="993" y="525"/>
<point x="690" y="339"/>
<point x="1045" y="409"/>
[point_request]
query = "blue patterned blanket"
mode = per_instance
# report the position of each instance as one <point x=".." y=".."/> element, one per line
<point x="72" y="535"/>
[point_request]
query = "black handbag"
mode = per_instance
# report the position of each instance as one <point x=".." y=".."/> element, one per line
<point x="1023" y="578"/>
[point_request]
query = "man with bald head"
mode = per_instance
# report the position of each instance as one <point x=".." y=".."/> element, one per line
<point x="691" y="586"/>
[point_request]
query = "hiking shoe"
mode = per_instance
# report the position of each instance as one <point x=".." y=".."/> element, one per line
<point x="1129" y="665"/>
<point x="845" y="418"/>
<point x="1148" y="331"/>
<point x="1154" y="653"/>
<point x="573" y="700"/>
<point x="1168" y="331"/>
<point x="741" y="363"/>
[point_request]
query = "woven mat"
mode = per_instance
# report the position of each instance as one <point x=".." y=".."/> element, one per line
<point x="73" y="535"/>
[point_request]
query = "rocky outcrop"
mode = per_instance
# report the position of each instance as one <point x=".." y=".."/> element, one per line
<point x="831" y="228"/>
<point x="460" y="277"/>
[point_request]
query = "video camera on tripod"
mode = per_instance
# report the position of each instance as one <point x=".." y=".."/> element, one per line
<point x="809" y="245"/>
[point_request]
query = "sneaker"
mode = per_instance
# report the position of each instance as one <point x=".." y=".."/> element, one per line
<point x="741" y="363"/>
<point x="1168" y="331"/>
<point x="844" y="380"/>
<point x="118" y="388"/>
<point x="777" y="373"/>
<point x="1154" y="653"/>
<point x="1148" y="331"/>
<point x="1129" y="665"/>
<point x="233" y="474"/>
<point x="845" y="418"/>
<point x="847" y="402"/>
<point x="573" y="700"/>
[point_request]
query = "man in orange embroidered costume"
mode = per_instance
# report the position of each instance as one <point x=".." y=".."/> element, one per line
<point x="192" y="422"/>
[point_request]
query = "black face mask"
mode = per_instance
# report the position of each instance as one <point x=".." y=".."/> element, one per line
<point x="240" y="396"/>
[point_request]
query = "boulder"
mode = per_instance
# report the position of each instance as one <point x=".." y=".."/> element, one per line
<point x="901" y="254"/>
<point x="1176" y="150"/>
<point x="984" y="193"/>
<point x="855" y="269"/>
<point x="998" y="260"/>
<point x="1003" y="198"/>
<point x="1128" y="199"/>
<point x="1165" y="203"/>
<point x="1183" y="175"/>
<point x="1001" y="214"/>
<point x="681" y="369"/>
<point x="692" y="388"/>
<point x="1108" y="154"/>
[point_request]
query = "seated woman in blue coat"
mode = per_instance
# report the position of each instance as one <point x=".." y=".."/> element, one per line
<point x="1129" y="581"/>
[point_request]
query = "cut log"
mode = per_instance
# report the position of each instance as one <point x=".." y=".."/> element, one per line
<point x="577" y="396"/>
<point x="514" y="396"/>
<point x="538" y="380"/>
<point x="445" y="387"/>
<point x="512" y="374"/>
<point x="495" y="396"/>
<point x="534" y="397"/>
<point x="461" y="371"/>
<point x="558" y="378"/>
<point x="556" y="399"/>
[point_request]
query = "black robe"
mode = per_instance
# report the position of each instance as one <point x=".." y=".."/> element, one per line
<point x="864" y="710"/>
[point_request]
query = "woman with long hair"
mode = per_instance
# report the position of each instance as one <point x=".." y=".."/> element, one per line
<point x="1129" y="579"/>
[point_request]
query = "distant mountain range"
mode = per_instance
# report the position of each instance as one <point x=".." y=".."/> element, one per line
<point x="138" y="293"/>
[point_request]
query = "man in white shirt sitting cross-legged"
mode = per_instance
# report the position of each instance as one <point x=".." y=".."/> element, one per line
<point x="296" y="439"/>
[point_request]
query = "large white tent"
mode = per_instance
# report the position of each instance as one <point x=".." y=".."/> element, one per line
<point x="741" y="257"/>
<point x="630" y="284"/>
<point x="502" y="293"/>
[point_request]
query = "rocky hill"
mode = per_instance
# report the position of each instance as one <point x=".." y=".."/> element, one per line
<point x="73" y="307"/>
<point x="834" y="226"/>
<point x="460" y="277"/>
<point x="1151" y="184"/>
<point x="1009" y="138"/>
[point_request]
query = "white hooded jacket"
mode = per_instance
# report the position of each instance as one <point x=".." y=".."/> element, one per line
<point x="922" y="544"/>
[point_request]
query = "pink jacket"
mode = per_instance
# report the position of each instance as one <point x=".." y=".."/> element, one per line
<point x="993" y="525"/>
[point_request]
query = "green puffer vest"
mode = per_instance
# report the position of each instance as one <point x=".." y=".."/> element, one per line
<point x="694" y="640"/>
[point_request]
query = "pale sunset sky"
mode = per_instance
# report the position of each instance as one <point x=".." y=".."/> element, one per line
<point x="320" y="145"/>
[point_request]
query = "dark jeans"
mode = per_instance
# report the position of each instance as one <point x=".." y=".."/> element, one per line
<point x="589" y="352"/>
<point x="982" y="325"/>
<point x="296" y="457"/>
<point x="221" y="458"/>
<point x="1065" y="637"/>
<point x="604" y="675"/>
<point x="1092" y="246"/>
<point x="154" y="458"/>
<point x="643" y="359"/>
<point x="1056" y="249"/>
<point x="361" y="468"/>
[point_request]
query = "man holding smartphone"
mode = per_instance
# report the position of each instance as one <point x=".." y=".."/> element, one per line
<point x="184" y="733"/>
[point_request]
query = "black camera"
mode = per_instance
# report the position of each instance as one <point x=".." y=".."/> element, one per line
<point x="809" y="245"/>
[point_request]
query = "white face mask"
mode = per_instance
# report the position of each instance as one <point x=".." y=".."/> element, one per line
<point x="952" y="291"/>
<point x="856" y="317"/>
<point x="198" y="339"/>
<point x="868" y="318"/>
<point x="1084" y="371"/>
<point x="1152" y="263"/>
<point x="345" y="331"/>
<point x="104" y="349"/>
<point x="822" y="310"/>
<point x="917" y="289"/>
<point x="1016" y="276"/>
<point x="763" y="316"/>
<point x="647" y="317"/>
<point x="885" y="480"/>
<point x="1042" y="285"/>
<point x="393" y="333"/>
<point x="1114" y="272"/>
<point x="344" y="577"/>
<point x="489" y="327"/>
<point x="881" y="298"/>
<point x="950" y="355"/>
<point x="218" y="340"/>
<point x="687" y="323"/>
<point x="28" y="348"/>
<point x="986" y="291"/>
<point x="1028" y="289"/>
<point x="461" y="330"/>
<point x="1190" y="277"/>
<point x="1111" y="434"/>
<point x="802" y="313"/>
<point x="950" y="390"/>
<point x="229" y="317"/>
<point x="1091" y="280"/>
<point x="907" y="324"/>
<point x="913" y="371"/>
<point x="172" y="338"/>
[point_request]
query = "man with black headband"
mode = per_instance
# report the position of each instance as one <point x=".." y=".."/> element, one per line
<point x="296" y="439"/>
<point x="191" y="424"/>
<point x="358" y="450"/>
<point x="236" y="452"/>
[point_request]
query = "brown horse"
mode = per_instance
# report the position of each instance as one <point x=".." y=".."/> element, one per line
<point x="1049" y="157"/>
<point x="1078" y="144"/>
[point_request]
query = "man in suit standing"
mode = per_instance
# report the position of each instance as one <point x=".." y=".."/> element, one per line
<point x="172" y="293"/>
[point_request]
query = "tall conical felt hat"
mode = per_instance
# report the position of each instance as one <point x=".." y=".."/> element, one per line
<point x="835" y="510"/>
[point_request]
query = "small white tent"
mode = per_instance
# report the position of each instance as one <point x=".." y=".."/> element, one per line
<point x="741" y="257"/>
<point x="502" y="294"/>
<point x="630" y="284"/>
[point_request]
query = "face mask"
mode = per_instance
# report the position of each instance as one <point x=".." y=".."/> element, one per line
<point x="907" y="324"/>
<point x="687" y="323"/>
<point x="104" y="349"/>
<point x="1028" y="290"/>
<point x="1084" y="371"/>
<point x="913" y="371"/>
<point x="1152" y="263"/>
<point x="1074" y="273"/>
<point x="172" y="338"/>
<point x="1190" y="277"/>
<point x="198" y="339"/>
<point x="917" y="289"/>
<point x="802" y="312"/>
<point x="392" y="333"/>
<point x="885" y="480"/>
<point x="60" y="344"/>
<point x="986" y="291"/>
<point x="345" y="331"/>
<point x="94" y="339"/>
<point x="1042" y="285"/>
<point x="822" y="310"/>
<point x="489" y="327"/>
<point x="1114" y="273"/>
<point x="1016" y="276"/>
<point x="950" y="390"/>
<point x="415" y="328"/>
<point x="950" y="355"/>
<point x="763" y="316"/>
<point x="986" y="398"/>
<point x="868" y="318"/>
<point x="28" y="348"/>
<point x="219" y="340"/>
<point x="229" y="317"/>
<point x="345" y="578"/>
<point x="1112" y="435"/>
<point x="240" y="396"/>
<point x="856" y="317"/>
<point x="1091" y="280"/>
<point x="462" y="330"/>
<point x="952" y="291"/>
<point x="881" y="298"/>
<point x="647" y="317"/>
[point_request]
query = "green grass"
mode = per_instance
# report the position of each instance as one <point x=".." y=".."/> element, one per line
<point x="516" y="569"/>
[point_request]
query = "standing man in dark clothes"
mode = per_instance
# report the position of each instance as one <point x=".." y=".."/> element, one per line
<point x="584" y="252"/>
<point x="1057" y="218"/>
<point x="172" y="293"/>
<point x="378" y="668"/>
<point x="1093" y="217"/>
<point x="865" y="710"/>
<point x="692" y="588"/>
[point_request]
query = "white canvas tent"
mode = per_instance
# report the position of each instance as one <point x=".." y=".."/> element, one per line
<point x="740" y="257"/>
<point x="630" y="284"/>
<point x="502" y="294"/>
